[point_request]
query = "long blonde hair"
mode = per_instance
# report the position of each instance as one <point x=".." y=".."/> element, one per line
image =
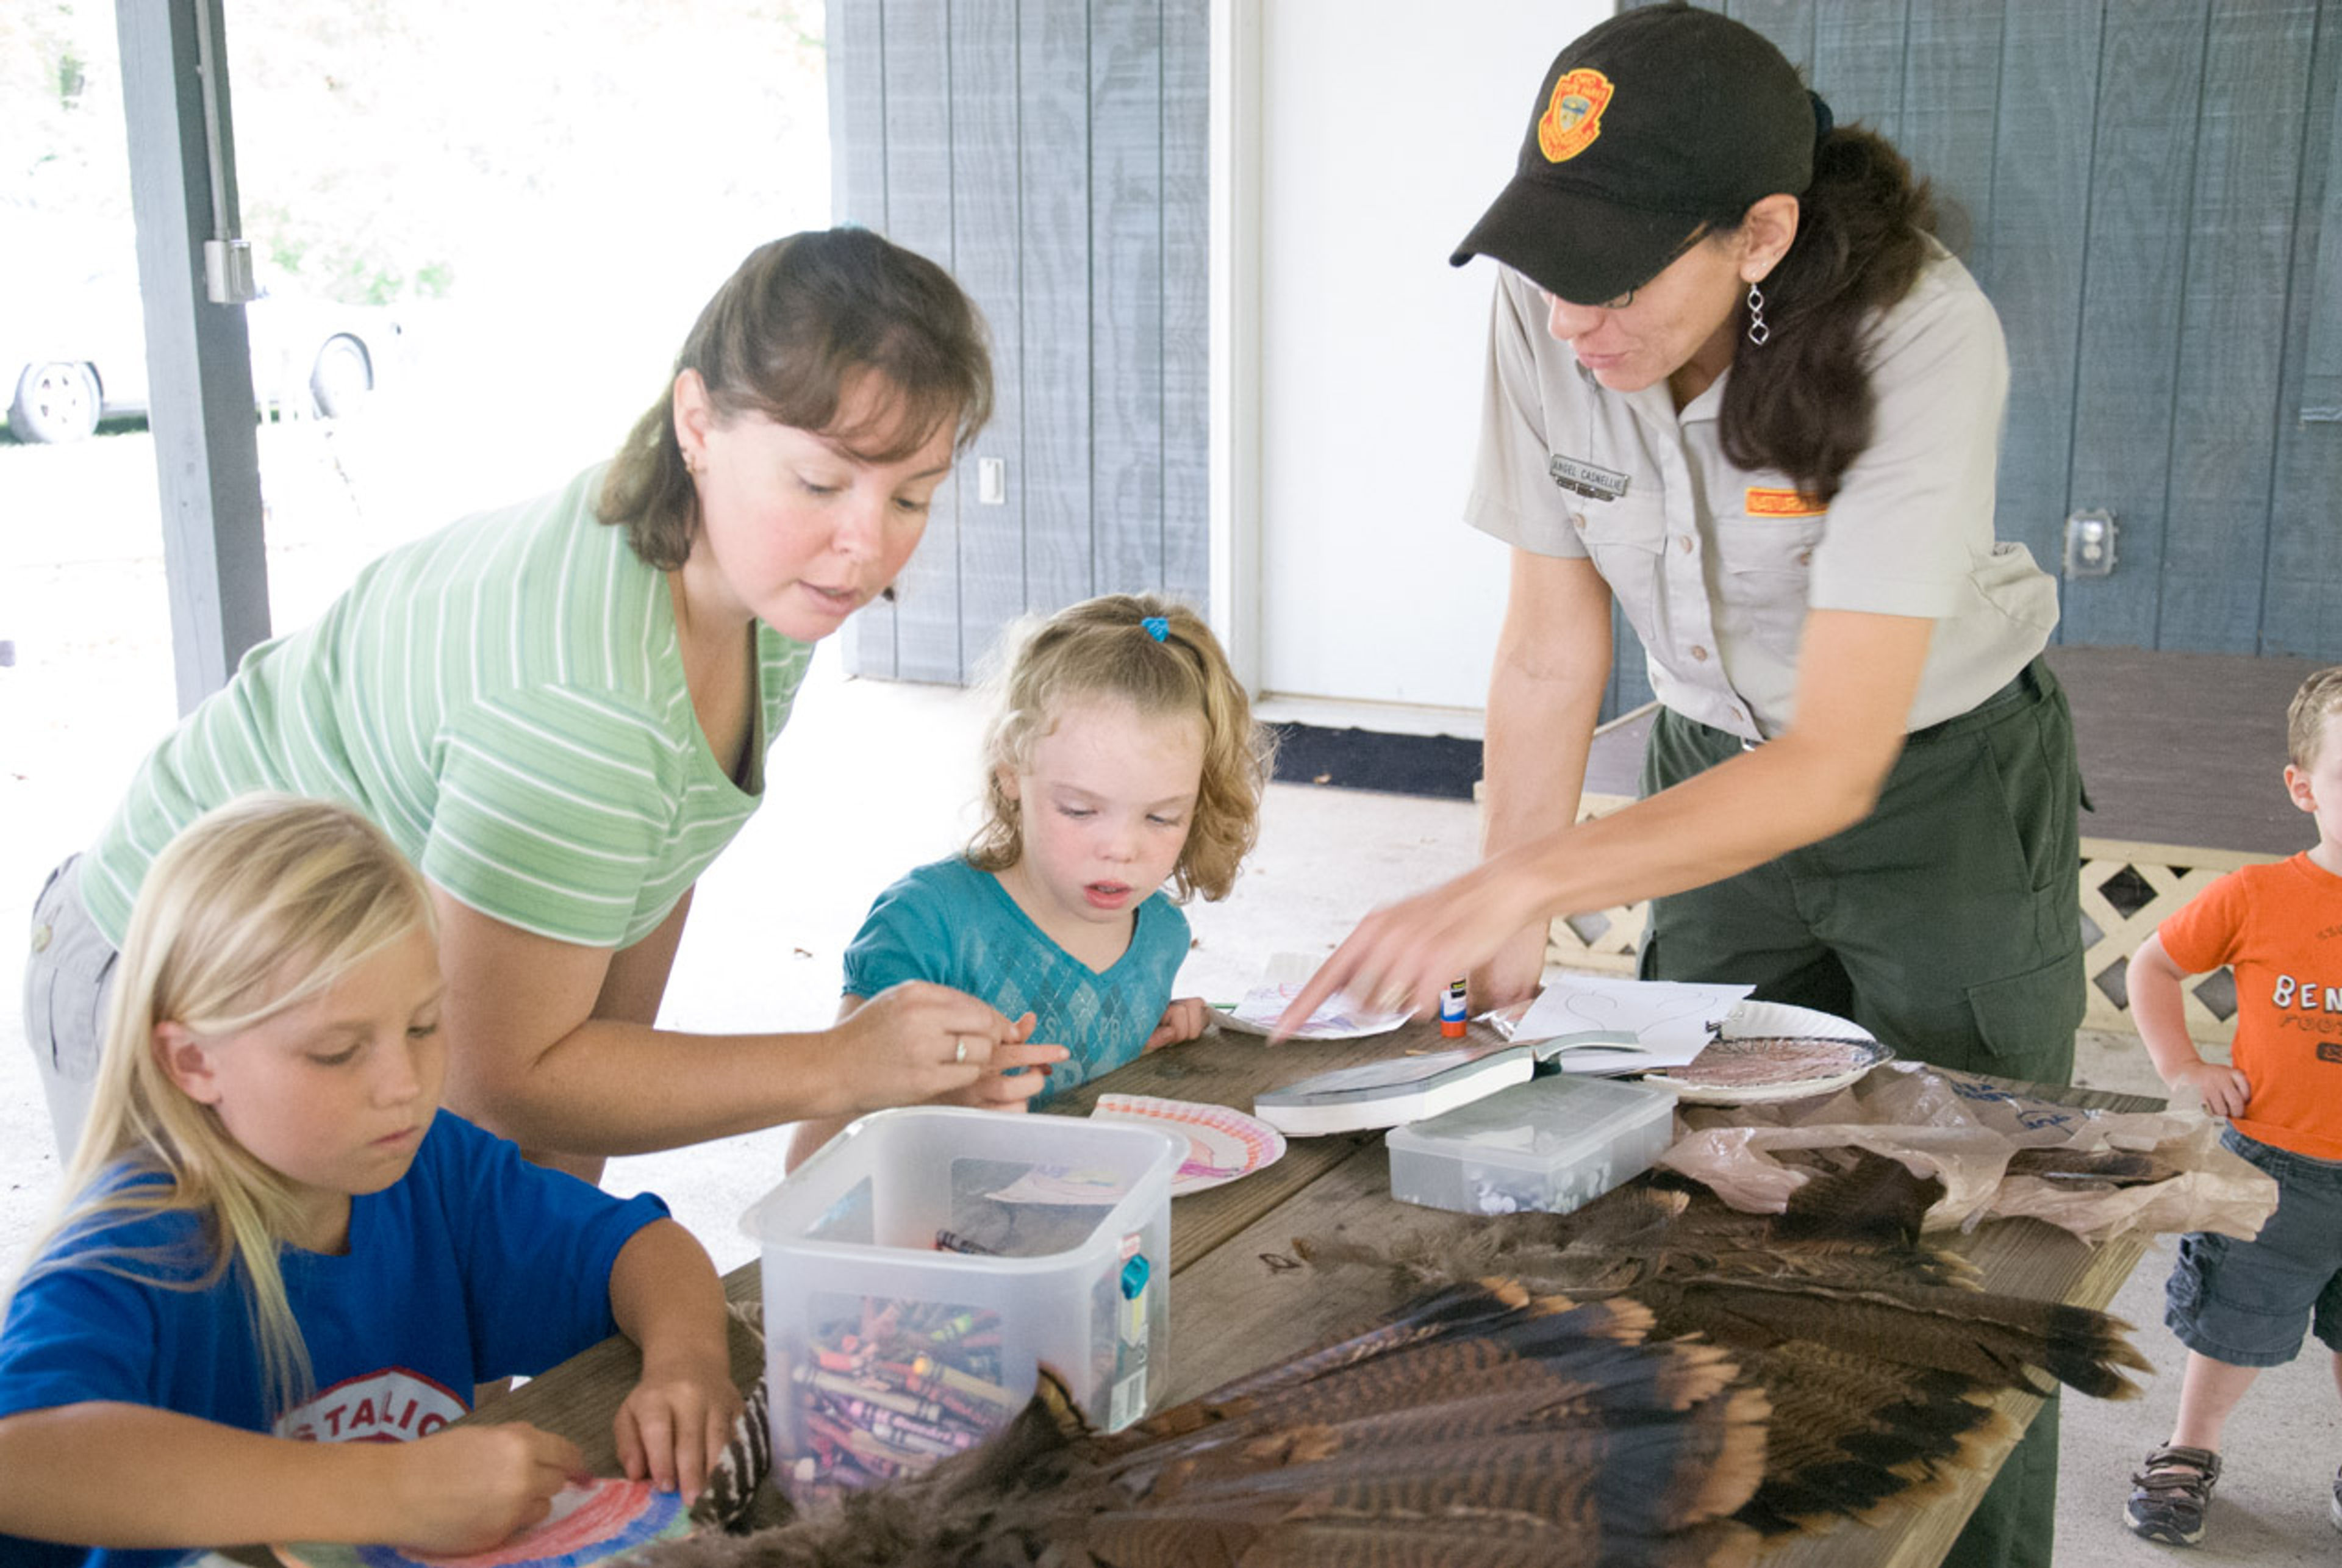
<point x="255" y="908"/>
<point x="1107" y="647"/>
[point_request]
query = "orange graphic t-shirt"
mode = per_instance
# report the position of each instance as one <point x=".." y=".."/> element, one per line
<point x="2280" y="927"/>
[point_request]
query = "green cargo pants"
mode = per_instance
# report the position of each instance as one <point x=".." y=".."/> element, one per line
<point x="1947" y="923"/>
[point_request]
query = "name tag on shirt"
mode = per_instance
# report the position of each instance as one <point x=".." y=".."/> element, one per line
<point x="1763" y="502"/>
<point x="1585" y="478"/>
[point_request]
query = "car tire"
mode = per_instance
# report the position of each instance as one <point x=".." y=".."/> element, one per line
<point x="53" y="402"/>
<point x="340" y="378"/>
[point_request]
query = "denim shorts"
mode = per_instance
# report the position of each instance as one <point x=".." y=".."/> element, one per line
<point x="68" y="980"/>
<point x="2244" y="1301"/>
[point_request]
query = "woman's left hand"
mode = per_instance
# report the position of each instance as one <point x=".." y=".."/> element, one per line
<point x="676" y="1422"/>
<point x="1184" y="1020"/>
<point x="1001" y="1090"/>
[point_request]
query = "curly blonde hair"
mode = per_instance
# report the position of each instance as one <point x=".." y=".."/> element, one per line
<point x="1102" y="647"/>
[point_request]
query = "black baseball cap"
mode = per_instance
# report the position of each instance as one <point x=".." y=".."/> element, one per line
<point x="1660" y="124"/>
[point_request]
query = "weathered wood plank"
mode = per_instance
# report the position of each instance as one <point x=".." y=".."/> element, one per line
<point x="1858" y="62"/>
<point x="581" y="1402"/>
<point x="1052" y="65"/>
<point x="2248" y="141"/>
<point x="1228" y="1067"/>
<point x="1126" y="327"/>
<point x="2187" y="748"/>
<point x="919" y="209"/>
<point x="857" y="67"/>
<point x="2301" y="611"/>
<point x="987" y="234"/>
<point x="2129" y="370"/>
<point x="1951" y="115"/>
<point x="1788" y="23"/>
<point x="855" y="62"/>
<point x="1187" y="300"/>
<point x="2041" y="182"/>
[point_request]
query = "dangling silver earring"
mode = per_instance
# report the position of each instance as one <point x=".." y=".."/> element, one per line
<point x="1758" y="331"/>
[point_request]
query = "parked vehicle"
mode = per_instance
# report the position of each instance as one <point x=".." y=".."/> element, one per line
<point x="73" y="355"/>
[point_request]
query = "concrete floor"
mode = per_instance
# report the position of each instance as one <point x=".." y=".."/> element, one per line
<point x="872" y="778"/>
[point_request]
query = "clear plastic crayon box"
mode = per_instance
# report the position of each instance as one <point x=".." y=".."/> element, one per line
<point x="922" y="1267"/>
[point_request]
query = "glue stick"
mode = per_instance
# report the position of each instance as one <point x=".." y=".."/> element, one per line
<point x="1452" y="1010"/>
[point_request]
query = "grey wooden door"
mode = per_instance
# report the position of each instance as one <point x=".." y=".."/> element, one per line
<point x="2151" y="193"/>
<point x="1053" y="154"/>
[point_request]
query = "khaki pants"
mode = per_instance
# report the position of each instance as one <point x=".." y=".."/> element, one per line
<point x="69" y="981"/>
<point x="1947" y="924"/>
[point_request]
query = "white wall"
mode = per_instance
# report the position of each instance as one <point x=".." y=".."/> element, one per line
<point x="1384" y="129"/>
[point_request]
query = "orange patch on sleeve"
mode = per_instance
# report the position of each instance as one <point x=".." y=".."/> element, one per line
<point x="1762" y="502"/>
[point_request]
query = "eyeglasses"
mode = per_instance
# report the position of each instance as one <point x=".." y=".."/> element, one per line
<point x="1624" y="300"/>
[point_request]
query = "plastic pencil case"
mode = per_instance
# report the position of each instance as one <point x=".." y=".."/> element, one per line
<point x="1555" y="1143"/>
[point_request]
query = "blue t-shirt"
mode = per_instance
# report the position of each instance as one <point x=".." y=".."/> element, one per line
<point x="952" y="924"/>
<point x="474" y="1265"/>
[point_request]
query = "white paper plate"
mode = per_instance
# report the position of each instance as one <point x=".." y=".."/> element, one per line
<point x="1753" y="1020"/>
<point x="1336" y="1019"/>
<point x="1222" y="1144"/>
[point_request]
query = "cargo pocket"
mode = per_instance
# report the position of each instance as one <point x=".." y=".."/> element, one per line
<point x="2027" y="1021"/>
<point x="2183" y="1293"/>
<point x="67" y="973"/>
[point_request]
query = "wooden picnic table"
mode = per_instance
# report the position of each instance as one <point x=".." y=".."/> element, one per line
<point x="1240" y="1298"/>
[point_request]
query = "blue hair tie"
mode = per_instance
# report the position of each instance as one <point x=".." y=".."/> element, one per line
<point x="1157" y="626"/>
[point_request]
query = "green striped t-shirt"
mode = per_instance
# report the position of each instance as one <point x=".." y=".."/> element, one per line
<point x="506" y="698"/>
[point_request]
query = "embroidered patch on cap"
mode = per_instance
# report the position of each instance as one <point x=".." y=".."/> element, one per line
<point x="1585" y="478"/>
<point x="1573" y="118"/>
<point x="1762" y="502"/>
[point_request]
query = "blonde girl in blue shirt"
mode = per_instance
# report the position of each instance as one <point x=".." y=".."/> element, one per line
<point x="276" y="1244"/>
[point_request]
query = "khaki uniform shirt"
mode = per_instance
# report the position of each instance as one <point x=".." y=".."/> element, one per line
<point x="1716" y="566"/>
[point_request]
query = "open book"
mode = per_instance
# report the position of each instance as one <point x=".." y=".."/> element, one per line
<point x="1401" y="1089"/>
<point x="1409" y="1088"/>
<point x="1595" y="1023"/>
<point x="1579" y="1023"/>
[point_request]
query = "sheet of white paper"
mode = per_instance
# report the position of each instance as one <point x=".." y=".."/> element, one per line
<point x="1669" y="1021"/>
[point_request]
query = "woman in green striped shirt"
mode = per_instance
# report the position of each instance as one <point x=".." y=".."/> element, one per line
<point x="560" y="711"/>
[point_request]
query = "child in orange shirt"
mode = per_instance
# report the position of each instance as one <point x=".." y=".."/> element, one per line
<point x="2240" y="1305"/>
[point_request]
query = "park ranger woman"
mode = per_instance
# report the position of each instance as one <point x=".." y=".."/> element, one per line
<point x="1736" y="387"/>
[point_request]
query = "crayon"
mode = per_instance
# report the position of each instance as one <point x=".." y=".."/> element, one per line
<point x="953" y="1242"/>
<point x="850" y="1388"/>
<point x="927" y="1366"/>
<point x="955" y="1403"/>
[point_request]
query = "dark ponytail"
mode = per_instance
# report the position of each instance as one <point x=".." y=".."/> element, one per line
<point x="1801" y="403"/>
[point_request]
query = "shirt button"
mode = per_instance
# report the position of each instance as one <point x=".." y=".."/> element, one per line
<point x="1684" y="543"/>
<point x="1699" y="652"/>
<point x="1578" y="521"/>
<point x="1805" y="557"/>
<point x="41" y="934"/>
